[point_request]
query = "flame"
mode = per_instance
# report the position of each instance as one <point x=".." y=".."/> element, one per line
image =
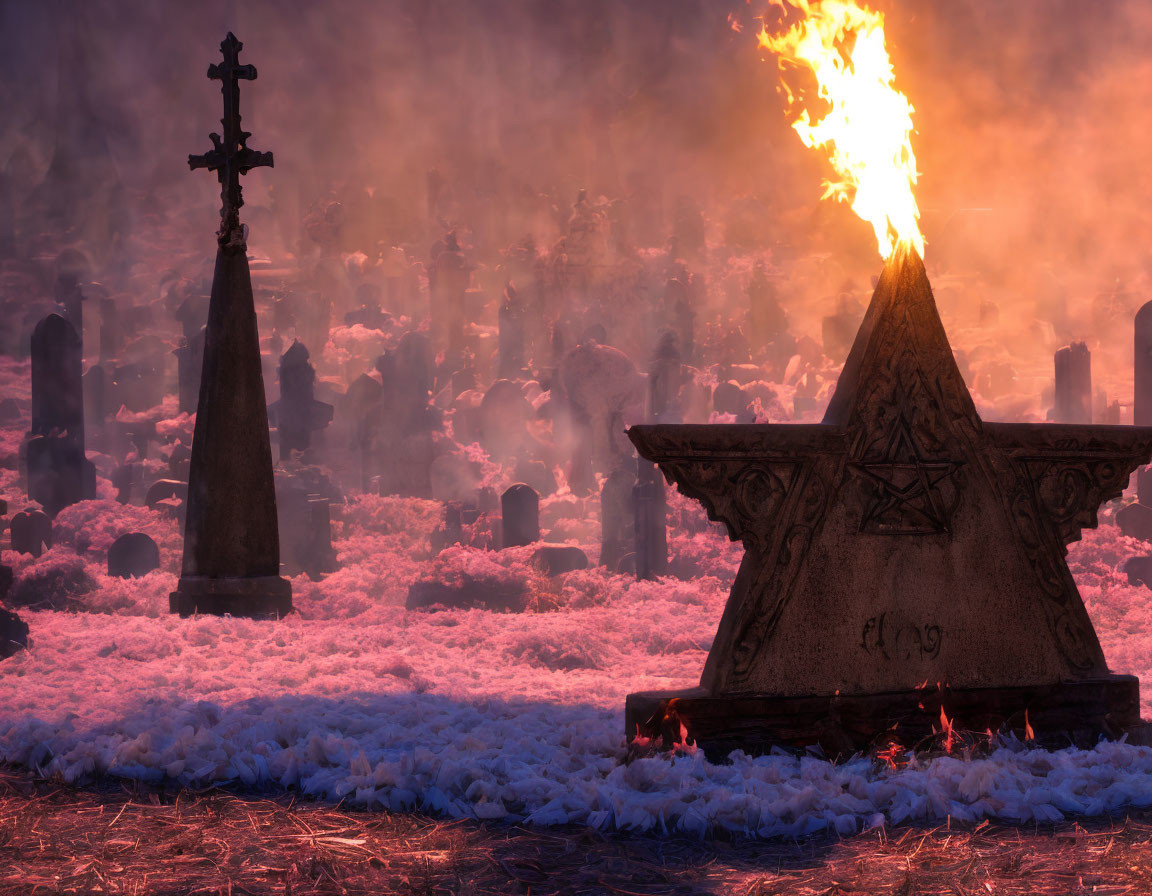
<point x="946" y="728"/>
<point x="1029" y="734"/>
<point x="867" y="129"/>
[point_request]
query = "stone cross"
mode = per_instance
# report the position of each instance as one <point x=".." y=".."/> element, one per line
<point x="230" y="156"/>
<point x="902" y="540"/>
<point x="231" y="560"/>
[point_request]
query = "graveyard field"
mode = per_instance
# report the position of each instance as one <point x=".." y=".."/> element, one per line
<point x="140" y="838"/>
<point x="509" y="717"/>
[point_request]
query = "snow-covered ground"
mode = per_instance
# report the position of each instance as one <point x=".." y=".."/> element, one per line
<point x="479" y="714"/>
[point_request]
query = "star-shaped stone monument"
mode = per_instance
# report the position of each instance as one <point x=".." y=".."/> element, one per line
<point x="901" y="557"/>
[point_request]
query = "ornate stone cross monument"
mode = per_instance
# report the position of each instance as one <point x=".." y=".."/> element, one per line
<point x="231" y="542"/>
<point x="901" y="557"/>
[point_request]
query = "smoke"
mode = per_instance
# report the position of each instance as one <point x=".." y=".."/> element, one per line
<point x="1031" y="119"/>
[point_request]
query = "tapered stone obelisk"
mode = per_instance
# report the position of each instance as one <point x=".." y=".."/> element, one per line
<point x="231" y="543"/>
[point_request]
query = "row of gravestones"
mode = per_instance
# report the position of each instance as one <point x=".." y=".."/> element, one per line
<point x="132" y="554"/>
<point x="633" y="524"/>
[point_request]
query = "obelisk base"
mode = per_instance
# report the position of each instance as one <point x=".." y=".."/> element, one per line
<point x="259" y="597"/>
<point x="1069" y="713"/>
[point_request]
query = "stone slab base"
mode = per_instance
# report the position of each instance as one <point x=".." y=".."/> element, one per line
<point x="262" y="597"/>
<point x="1072" y="712"/>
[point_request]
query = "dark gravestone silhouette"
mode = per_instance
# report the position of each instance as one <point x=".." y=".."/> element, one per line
<point x="133" y="554"/>
<point x="665" y="377"/>
<point x="231" y="542"/>
<point x="520" y="514"/>
<point x="448" y="279"/>
<point x="58" y="472"/>
<point x="13" y="629"/>
<point x="617" y="521"/>
<point x="1142" y="366"/>
<point x="111" y="330"/>
<point x="1073" y="384"/>
<point x="902" y="539"/>
<point x="124" y="480"/>
<point x="189" y="362"/>
<point x="298" y="414"/>
<point x="557" y="559"/>
<point x="31" y="532"/>
<point x="728" y="398"/>
<point x="650" y="512"/>
<point x="96" y="388"/>
<point x="166" y="490"/>
<point x="305" y="531"/>
<point x="512" y="335"/>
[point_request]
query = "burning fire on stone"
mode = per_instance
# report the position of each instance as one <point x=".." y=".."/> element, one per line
<point x="866" y="127"/>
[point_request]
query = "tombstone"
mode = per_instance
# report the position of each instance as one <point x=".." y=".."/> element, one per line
<point x="13" y="629"/>
<point x="231" y="558"/>
<point x="767" y="320"/>
<point x="298" y="414"/>
<point x="650" y="511"/>
<point x="111" y="330"/>
<point x="132" y="555"/>
<point x="901" y="540"/>
<point x="617" y="519"/>
<point x="665" y="379"/>
<point x="31" y="532"/>
<point x="448" y="280"/>
<point x="305" y="523"/>
<point x="512" y="335"/>
<point x="124" y="479"/>
<point x="504" y="416"/>
<point x="189" y="361"/>
<point x="558" y="559"/>
<point x="1142" y="367"/>
<point x="59" y="474"/>
<point x="487" y="501"/>
<point x="728" y="398"/>
<point x="358" y="418"/>
<point x="57" y="378"/>
<point x="96" y="388"/>
<point x="179" y="460"/>
<point x="601" y="384"/>
<point x="520" y="515"/>
<point x="451" y="531"/>
<point x="1073" y="384"/>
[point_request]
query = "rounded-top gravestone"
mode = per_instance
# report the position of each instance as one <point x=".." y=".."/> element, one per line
<point x="520" y="513"/>
<point x="133" y="554"/>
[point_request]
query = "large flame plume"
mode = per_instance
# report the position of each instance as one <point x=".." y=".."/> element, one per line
<point x="867" y="129"/>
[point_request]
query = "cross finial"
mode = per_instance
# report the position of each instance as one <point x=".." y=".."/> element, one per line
<point x="230" y="157"/>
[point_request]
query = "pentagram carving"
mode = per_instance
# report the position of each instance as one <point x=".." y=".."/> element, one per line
<point x="901" y="506"/>
<point x="904" y="492"/>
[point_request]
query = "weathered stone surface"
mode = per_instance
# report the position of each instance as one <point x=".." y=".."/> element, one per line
<point x="557" y="559"/>
<point x="231" y="542"/>
<point x="1135" y="520"/>
<point x="13" y="633"/>
<point x="133" y="554"/>
<point x="31" y="532"/>
<point x="903" y="538"/>
<point x="520" y="514"/>
<point x="1139" y="570"/>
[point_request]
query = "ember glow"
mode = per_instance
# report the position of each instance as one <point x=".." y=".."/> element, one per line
<point x="867" y="128"/>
